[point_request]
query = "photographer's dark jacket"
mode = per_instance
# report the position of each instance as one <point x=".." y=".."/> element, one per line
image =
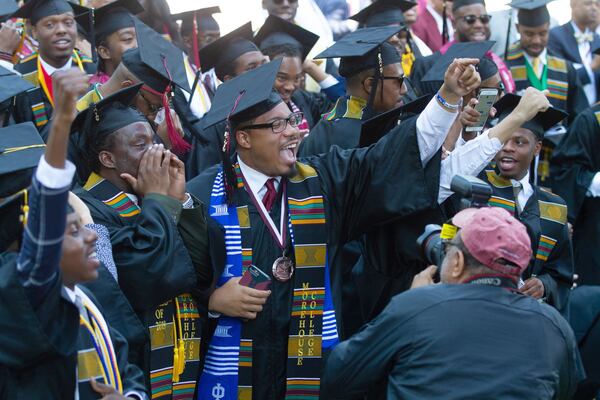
<point x="545" y="216"/>
<point x="468" y="341"/>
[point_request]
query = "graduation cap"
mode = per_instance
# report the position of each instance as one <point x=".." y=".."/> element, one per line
<point x="238" y="100"/>
<point x="539" y="124"/>
<point x="35" y="10"/>
<point x="20" y="150"/>
<point x="202" y="19"/>
<point x="277" y="32"/>
<point x="362" y="49"/>
<point x="108" y="19"/>
<point x="12" y="84"/>
<point x="456" y="4"/>
<point x="532" y="13"/>
<point x="225" y="50"/>
<point x="7" y="7"/>
<point x="195" y="21"/>
<point x="375" y="128"/>
<point x="457" y="50"/>
<point x="383" y="13"/>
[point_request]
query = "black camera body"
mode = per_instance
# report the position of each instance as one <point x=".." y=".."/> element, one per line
<point x="473" y="193"/>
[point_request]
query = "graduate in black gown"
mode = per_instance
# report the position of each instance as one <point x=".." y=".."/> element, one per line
<point x="90" y="358"/>
<point x="136" y="190"/>
<point x="330" y="200"/>
<point x="574" y="168"/>
<point x="374" y="84"/>
<point x="278" y="38"/>
<point x="230" y="55"/>
<point x="550" y="273"/>
<point x="36" y="105"/>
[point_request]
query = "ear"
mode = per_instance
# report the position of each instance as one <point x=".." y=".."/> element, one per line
<point x="106" y="159"/>
<point x="537" y="148"/>
<point x="34" y="33"/>
<point x="518" y="28"/>
<point x="126" y="83"/>
<point x="103" y="52"/>
<point x="243" y="139"/>
<point x="368" y="84"/>
<point x="458" y="267"/>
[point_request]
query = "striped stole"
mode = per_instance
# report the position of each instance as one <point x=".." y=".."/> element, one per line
<point x="174" y="326"/>
<point x="96" y="358"/>
<point x="346" y="107"/>
<point x="556" y="72"/>
<point x="313" y="329"/>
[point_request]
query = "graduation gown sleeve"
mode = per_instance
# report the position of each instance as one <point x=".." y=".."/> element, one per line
<point x="206" y="150"/>
<point x="576" y="100"/>
<point x="370" y="186"/>
<point x="576" y="161"/>
<point x="152" y="261"/>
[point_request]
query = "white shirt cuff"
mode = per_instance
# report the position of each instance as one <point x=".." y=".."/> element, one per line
<point x="55" y="178"/>
<point x="328" y="82"/>
<point x="433" y="126"/>
<point x="594" y="189"/>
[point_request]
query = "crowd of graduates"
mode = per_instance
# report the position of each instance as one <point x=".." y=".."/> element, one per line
<point x="190" y="215"/>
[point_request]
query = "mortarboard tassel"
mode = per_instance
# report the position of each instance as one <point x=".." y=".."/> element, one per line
<point x="195" y="48"/>
<point x="230" y="176"/>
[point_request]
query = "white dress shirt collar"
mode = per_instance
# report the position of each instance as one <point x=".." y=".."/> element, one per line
<point x="50" y="69"/>
<point x="542" y="58"/>
<point x="256" y="179"/>
<point x="525" y="193"/>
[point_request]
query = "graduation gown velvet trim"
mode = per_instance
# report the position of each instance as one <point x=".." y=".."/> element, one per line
<point x="34" y="105"/>
<point x="574" y="165"/>
<point x="361" y="188"/>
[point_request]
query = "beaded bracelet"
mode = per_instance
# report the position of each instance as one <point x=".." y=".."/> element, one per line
<point x="444" y="103"/>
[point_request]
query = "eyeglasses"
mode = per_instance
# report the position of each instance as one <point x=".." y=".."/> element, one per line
<point x="470" y="19"/>
<point x="154" y="109"/>
<point x="279" y="125"/>
<point x="399" y="79"/>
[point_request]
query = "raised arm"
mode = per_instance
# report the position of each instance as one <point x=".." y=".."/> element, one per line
<point x="40" y="253"/>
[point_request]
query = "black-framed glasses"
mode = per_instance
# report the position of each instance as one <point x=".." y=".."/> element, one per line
<point x="154" y="109"/>
<point x="470" y="19"/>
<point x="399" y="79"/>
<point x="279" y="125"/>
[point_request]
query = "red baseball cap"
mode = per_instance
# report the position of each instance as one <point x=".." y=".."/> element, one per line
<point x="491" y="234"/>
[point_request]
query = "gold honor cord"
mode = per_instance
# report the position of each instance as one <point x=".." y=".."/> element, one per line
<point x="9" y="150"/>
<point x="178" y="345"/>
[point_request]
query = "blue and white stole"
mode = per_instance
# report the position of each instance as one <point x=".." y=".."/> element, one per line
<point x="227" y="371"/>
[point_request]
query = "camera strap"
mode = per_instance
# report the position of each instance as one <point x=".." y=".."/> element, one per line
<point x="499" y="280"/>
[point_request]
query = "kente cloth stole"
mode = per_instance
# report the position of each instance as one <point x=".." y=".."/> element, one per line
<point x="346" y="107"/>
<point x="597" y="114"/>
<point x="227" y="371"/>
<point x="555" y="77"/>
<point x="174" y="326"/>
<point x="99" y="361"/>
<point x="550" y="214"/>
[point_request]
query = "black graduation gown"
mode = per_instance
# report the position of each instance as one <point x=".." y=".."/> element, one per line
<point x="119" y="314"/>
<point x="206" y="149"/>
<point x="40" y="345"/>
<point x="361" y="188"/>
<point x="340" y="127"/>
<point x="151" y="258"/>
<point x="313" y="105"/>
<point x="574" y="164"/>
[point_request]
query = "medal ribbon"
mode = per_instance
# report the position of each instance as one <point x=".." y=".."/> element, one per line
<point x="281" y="235"/>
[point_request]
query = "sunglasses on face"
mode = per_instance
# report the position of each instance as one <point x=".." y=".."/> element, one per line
<point x="470" y="19"/>
<point x="280" y="2"/>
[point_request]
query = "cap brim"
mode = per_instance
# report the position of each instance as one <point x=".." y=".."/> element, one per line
<point x="457" y="50"/>
<point x="359" y="42"/>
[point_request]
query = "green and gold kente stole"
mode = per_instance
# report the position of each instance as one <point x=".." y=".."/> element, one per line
<point x="108" y="193"/>
<point x="346" y="107"/>
<point x="174" y="326"/>
<point x="502" y="194"/>
<point x="553" y="217"/>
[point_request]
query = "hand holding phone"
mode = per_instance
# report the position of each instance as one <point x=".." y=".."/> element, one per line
<point x="256" y="279"/>
<point x="485" y="102"/>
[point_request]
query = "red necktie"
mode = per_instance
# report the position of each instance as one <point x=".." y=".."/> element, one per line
<point x="271" y="194"/>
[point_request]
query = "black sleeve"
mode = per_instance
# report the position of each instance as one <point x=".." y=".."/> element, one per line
<point x="577" y="102"/>
<point x="557" y="273"/>
<point x="152" y="261"/>
<point x="370" y="186"/>
<point x="132" y="376"/>
<point x="575" y="161"/>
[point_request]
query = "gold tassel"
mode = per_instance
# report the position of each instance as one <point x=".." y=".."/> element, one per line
<point x="25" y="208"/>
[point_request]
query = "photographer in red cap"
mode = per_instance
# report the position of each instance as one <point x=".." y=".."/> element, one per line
<point x="472" y="336"/>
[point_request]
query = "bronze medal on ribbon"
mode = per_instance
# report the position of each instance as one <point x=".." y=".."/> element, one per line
<point x="283" y="269"/>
